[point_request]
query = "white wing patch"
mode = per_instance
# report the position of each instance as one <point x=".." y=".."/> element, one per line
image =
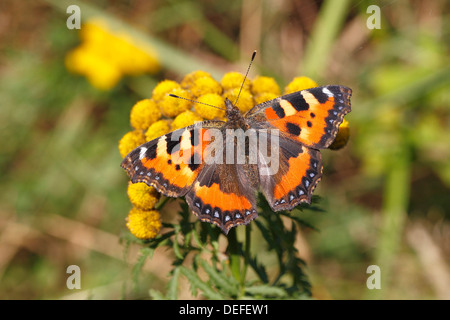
<point x="327" y="92"/>
<point x="142" y="153"/>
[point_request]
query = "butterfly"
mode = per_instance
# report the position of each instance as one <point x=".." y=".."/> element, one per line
<point x="280" y="158"/>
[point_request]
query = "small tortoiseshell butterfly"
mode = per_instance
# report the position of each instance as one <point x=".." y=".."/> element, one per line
<point x="224" y="192"/>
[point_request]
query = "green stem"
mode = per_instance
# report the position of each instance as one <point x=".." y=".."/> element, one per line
<point x="235" y="258"/>
<point x="326" y="28"/>
<point x="395" y="204"/>
<point x="248" y="230"/>
<point x="162" y="203"/>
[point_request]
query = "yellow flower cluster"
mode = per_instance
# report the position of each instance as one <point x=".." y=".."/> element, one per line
<point x="131" y="140"/>
<point x="299" y="84"/>
<point x="143" y="221"/>
<point x="265" y="89"/>
<point x="153" y="117"/>
<point x="105" y="56"/>
<point x="144" y="224"/>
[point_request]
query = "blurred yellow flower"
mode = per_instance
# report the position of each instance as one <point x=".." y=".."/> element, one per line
<point x="104" y="56"/>
<point x="144" y="113"/>
<point x="299" y="84"/>
<point x="95" y="31"/>
<point x="142" y="196"/>
<point x="140" y="58"/>
<point x="130" y="141"/>
<point x="103" y="76"/>
<point x="144" y="224"/>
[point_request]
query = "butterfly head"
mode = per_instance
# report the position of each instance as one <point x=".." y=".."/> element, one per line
<point x="234" y="114"/>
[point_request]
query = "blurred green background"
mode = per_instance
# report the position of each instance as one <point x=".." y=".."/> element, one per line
<point x="386" y="195"/>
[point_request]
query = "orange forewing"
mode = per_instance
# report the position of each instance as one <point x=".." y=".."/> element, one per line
<point x="170" y="163"/>
<point x="311" y="116"/>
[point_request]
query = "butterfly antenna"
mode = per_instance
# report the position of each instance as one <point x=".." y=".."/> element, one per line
<point x="206" y="104"/>
<point x="245" y="78"/>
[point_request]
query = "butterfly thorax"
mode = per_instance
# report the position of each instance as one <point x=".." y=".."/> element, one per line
<point x="234" y="118"/>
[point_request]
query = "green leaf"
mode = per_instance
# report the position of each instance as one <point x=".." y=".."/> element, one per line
<point x="173" y="285"/>
<point x="176" y="246"/>
<point x="196" y="238"/>
<point x="160" y="240"/>
<point x="266" y="291"/>
<point x="299" y="220"/>
<point x="227" y="284"/>
<point x="264" y="231"/>
<point x="196" y="282"/>
<point x="156" y="295"/>
<point x="144" y="254"/>
<point x="259" y="269"/>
